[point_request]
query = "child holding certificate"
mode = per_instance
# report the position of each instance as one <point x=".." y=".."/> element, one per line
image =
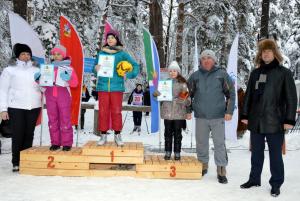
<point x="113" y="65"/>
<point x="58" y="100"/>
<point x="174" y="112"/>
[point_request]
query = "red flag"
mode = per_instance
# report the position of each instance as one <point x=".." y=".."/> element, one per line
<point x="70" y="39"/>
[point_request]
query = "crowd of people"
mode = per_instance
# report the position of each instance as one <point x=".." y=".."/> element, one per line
<point x="267" y="108"/>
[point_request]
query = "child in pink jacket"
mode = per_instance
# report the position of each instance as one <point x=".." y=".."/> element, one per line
<point x="58" y="101"/>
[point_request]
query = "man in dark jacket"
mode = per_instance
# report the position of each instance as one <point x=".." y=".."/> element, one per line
<point x="269" y="109"/>
<point x="208" y="87"/>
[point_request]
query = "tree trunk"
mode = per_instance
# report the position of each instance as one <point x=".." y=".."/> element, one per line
<point x="264" y="27"/>
<point x="101" y="30"/>
<point x="224" y="42"/>
<point x="156" y="29"/>
<point x="20" y="7"/>
<point x="168" y="32"/>
<point x="179" y="36"/>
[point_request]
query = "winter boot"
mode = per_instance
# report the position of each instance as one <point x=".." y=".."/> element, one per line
<point x="204" y="168"/>
<point x="139" y="130"/>
<point x="66" y="148"/>
<point x="15" y="168"/>
<point x="102" y="140"/>
<point x="221" y="170"/>
<point x="177" y="156"/>
<point x="134" y="129"/>
<point x="275" y="192"/>
<point x="168" y="155"/>
<point x="118" y="139"/>
<point x="54" y="147"/>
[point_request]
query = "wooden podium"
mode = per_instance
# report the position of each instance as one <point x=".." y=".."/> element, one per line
<point x="107" y="161"/>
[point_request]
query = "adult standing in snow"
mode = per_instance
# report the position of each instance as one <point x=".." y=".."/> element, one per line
<point x="269" y="109"/>
<point x="209" y="86"/>
<point x="110" y="88"/>
<point x="20" y="100"/>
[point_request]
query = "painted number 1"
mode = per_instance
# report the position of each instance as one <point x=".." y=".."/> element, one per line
<point x="112" y="156"/>
<point x="51" y="162"/>
<point x="173" y="171"/>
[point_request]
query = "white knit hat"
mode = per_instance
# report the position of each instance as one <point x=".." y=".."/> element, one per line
<point x="174" y="66"/>
<point x="208" y="53"/>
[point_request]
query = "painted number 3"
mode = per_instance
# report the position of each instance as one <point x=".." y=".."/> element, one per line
<point x="173" y="171"/>
<point x="50" y="163"/>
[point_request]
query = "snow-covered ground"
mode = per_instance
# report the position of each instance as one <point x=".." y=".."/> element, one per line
<point x="15" y="187"/>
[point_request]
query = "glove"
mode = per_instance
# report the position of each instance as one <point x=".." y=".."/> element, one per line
<point x="37" y="76"/>
<point x="65" y="76"/>
<point x="183" y="95"/>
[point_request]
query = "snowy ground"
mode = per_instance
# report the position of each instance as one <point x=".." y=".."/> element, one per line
<point x="15" y="187"/>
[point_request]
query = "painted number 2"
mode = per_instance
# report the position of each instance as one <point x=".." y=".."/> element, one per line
<point x="51" y="162"/>
<point x="173" y="171"/>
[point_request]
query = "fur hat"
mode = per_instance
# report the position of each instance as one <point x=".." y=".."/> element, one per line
<point x="59" y="49"/>
<point x="174" y="66"/>
<point x="19" y="48"/>
<point x="208" y="53"/>
<point x="267" y="44"/>
<point x="116" y="35"/>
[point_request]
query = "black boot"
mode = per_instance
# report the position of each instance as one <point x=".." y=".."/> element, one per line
<point x="275" y="192"/>
<point x="204" y="168"/>
<point x="168" y="155"/>
<point x="54" y="147"/>
<point x="221" y="170"/>
<point x="177" y="156"/>
<point x="250" y="184"/>
<point x="66" y="148"/>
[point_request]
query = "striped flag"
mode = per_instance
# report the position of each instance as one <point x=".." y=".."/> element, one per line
<point x="231" y="126"/>
<point x="153" y="74"/>
<point x="70" y="39"/>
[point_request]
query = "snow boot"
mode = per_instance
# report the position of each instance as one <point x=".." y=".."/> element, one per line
<point x="221" y="170"/>
<point x="177" y="156"/>
<point x="275" y="192"/>
<point x="168" y="155"/>
<point x="15" y="168"/>
<point x="102" y="140"/>
<point x="118" y="139"/>
<point x="204" y="168"/>
<point x="66" y="148"/>
<point x="54" y="147"/>
<point x="250" y="184"/>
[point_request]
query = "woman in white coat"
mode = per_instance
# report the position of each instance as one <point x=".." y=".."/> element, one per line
<point x="20" y="100"/>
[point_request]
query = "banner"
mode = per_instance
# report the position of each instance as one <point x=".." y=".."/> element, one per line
<point x="231" y="126"/>
<point x="70" y="39"/>
<point x="22" y="32"/>
<point x="153" y="75"/>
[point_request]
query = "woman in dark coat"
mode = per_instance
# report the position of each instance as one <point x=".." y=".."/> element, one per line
<point x="269" y="109"/>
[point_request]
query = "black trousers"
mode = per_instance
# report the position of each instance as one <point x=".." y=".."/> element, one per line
<point x="275" y="142"/>
<point x="83" y="111"/>
<point x="173" y="130"/>
<point x="23" y="123"/>
<point x="137" y="118"/>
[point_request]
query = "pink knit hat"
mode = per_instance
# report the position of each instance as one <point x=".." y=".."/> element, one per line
<point x="59" y="49"/>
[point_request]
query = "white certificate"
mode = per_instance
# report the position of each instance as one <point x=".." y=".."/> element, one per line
<point x="165" y="87"/>
<point x="62" y="69"/>
<point x="106" y="63"/>
<point x="47" y="75"/>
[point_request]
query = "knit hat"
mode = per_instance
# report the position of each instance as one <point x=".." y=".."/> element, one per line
<point x="19" y="48"/>
<point x="174" y="66"/>
<point x="59" y="49"/>
<point x="116" y="35"/>
<point x="208" y="53"/>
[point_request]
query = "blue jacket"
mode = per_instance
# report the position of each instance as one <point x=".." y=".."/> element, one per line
<point x="116" y="83"/>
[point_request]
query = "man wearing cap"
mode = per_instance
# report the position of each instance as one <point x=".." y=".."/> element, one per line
<point x="213" y="100"/>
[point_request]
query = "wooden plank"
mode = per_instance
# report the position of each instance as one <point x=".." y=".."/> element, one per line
<point x="76" y="173"/>
<point x="168" y="168"/>
<point x="53" y="165"/>
<point x="81" y="159"/>
<point x="166" y="175"/>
